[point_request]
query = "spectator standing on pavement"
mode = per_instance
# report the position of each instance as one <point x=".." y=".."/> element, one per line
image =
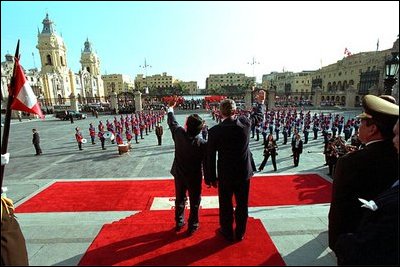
<point x="159" y="132"/>
<point x="71" y="117"/>
<point x="376" y="239"/>
<point x="366" y="172"/>
<point x="36" y="142"/>
<point x="230" y="139"/>
<point x="188" y="167"/>
<point x="19" y="116"/>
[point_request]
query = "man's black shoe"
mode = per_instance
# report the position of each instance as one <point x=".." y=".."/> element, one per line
<point x="179" y="227"/>
<point x="191" y="230"/>
<point x="239" y="237"/>
<point x="227" y="236"/>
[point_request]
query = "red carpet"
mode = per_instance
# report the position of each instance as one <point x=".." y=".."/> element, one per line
<point x="299" y="189"/>
<point x="149" y="238"/>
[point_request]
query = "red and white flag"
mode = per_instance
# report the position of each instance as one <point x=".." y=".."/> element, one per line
<point x="24" y="98"/>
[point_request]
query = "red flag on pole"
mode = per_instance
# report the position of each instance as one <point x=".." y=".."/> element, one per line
<point x="24" y="98"/>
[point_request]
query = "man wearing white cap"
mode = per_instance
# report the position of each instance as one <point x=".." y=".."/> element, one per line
<point x="367" y="172"/>
<point x="376" y="240"/>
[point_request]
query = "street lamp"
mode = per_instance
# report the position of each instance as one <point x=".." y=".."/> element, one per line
<point x="391" y="71"/>
<point x="145" y="66"/>
<point x="253" y="63"/>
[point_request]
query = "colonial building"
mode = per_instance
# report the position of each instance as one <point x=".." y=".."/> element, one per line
<point x="117" y="83"/>
<point x="342" y="83"/>
<point x="188" y="88"/>
<point x="154" y="81"/>
<point x="229" y="80"/>
<point x="6" y="74"/>
<point x="363" y="73"/>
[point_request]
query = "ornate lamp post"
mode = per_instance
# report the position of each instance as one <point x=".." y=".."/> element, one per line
<point x="253" y="63"/>
<point x="392" y="68"/>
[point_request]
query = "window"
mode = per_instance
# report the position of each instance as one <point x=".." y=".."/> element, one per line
<point x="48" y="60"/>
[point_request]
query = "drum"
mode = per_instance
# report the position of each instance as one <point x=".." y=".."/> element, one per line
<point x="84" y="141"/>
<point x="123" y="148"/>
<point x="107" y="135"/>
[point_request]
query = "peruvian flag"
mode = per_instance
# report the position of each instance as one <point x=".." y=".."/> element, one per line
<point x="24" y="98"/>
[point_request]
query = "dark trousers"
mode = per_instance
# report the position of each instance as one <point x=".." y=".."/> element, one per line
<point x="239" y="189"/>
<point x="264" y="134"/>
<point x="194" y="190"/>
<point x="80" y="145"/>
<point x="305" y="138"/>
<point x="266" y="157"/>
<point x="159" y="139"/>
<point x="102" y="140"/>
<point x="38" y="149"/>
<point x="296" y="158"/>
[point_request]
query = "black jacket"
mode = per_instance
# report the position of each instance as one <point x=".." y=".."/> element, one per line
<point x="190" y="152"/>
<point x="230" y="139"/>
<point x="361" y="174"/>
<point x="35" y="138"/>
<point x="376" y="240"/>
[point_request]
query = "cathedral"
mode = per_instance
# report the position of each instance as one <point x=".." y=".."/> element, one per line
<point x="55" y="84"/>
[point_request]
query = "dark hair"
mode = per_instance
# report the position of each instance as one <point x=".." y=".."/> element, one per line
<point x="385" y="127"/>
<point x="194" y="124"/>
<point x="227" y="107"/>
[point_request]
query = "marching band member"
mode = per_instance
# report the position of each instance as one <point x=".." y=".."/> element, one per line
<point x="92" y="133"/>
<point x="102" y="139"/>
<point x="79" y="137"/>
<point x="128" y="134"/>
<point x="119" y="139"/>
<point x="101" y="126"/>
<point x="136" y="131"/>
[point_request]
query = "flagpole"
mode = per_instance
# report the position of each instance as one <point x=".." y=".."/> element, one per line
<point x="6" y="132"/>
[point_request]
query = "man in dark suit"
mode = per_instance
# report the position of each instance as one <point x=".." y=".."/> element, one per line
<point x="159" y="133"/>
<point x="190" y="152"/>
<point x="36" y="142"/>
<point x="376" y="240"/>
<point x="230" y="139"/>
<point x="367" y="172"/>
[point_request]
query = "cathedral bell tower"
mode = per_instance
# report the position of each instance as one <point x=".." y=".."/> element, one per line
<point x="53" y="58"/>
<point x="89" y="60"/>
<point x="92" y="83"/>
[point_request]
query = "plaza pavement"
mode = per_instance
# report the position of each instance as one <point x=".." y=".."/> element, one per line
<point x="299" y="232"/>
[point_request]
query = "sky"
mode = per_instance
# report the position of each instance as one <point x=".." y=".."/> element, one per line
<point x="192" y="39"/>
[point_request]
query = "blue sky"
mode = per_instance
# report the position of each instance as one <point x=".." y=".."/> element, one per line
<point x="190" y="40"/>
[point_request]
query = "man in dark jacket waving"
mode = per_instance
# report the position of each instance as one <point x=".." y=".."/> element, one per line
<point x="189" y="160"/>
<point x="230" y="139"/>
